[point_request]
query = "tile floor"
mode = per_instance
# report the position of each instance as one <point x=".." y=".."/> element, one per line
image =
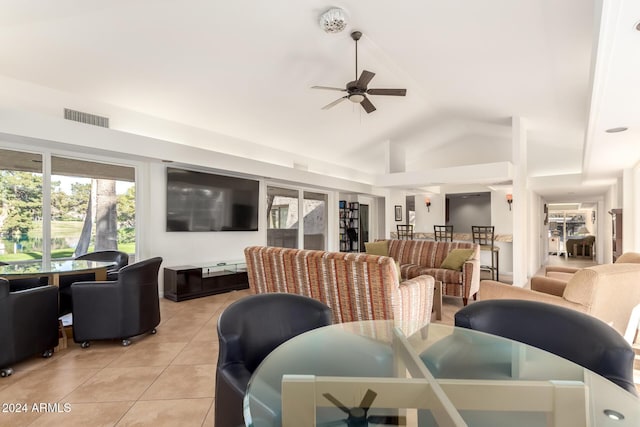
<point x="165" y="379"/>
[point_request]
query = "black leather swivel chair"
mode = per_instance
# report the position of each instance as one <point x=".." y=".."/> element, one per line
<point x="583" y="339"/>
<point x="120" y="259"/>
<point x="28" y="324"/>
<point x="248" y="330"/>
<point x="117" y="310"/>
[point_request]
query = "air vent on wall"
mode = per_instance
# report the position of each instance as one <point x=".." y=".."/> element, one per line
<point x="90" y="119"/>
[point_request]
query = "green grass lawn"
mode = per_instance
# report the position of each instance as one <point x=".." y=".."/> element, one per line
<point x="59" y="229"/>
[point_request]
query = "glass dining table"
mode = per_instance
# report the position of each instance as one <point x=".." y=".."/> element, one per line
<point x="54" y="269"/>
<point x="374" y="373"/>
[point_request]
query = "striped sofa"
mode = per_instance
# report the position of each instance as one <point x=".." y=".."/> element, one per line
<point x="356" y="286"/>
<point x="418" y="257"/>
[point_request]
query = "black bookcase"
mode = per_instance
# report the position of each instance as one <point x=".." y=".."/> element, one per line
<point x="349" y="226"/>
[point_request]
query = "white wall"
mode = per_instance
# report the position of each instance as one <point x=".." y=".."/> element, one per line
<point x="465" y="150"/>
<point x="435" y="215"/>
<point x="467" y="212"/>
<point x="395" y="198"/>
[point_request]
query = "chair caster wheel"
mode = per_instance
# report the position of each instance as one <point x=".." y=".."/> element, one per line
<point x="125" y="342"/>
<point x="85" y="344"/>
<point x="47" y="353"/>
<point x="153" y="331"/>
<point x="6" y="372"/>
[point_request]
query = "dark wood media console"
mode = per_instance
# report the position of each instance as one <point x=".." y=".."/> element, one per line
<point x="189" y="281"/>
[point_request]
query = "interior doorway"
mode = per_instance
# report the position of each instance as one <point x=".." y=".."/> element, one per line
<point x="364" y="226"/>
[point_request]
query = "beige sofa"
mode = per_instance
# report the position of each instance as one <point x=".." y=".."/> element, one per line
<point x="609" y="292"/>
<point x="418" y="257"/>
<point x="356" y="286"/>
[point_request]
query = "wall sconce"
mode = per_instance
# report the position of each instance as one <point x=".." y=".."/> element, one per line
<point x="427" y="203"/>
<point x="510" y="200"/>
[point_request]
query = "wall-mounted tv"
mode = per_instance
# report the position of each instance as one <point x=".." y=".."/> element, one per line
<point x="199" y="201"/>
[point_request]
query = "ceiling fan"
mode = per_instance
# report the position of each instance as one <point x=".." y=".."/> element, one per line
<point x="357" y="90"/>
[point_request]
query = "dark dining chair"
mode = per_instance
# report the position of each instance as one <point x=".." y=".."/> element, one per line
<point x="28" y="324"/>
<point x="570" y="334"/>
<point x="484" y="235"/>
<point x="118" y="309"/>
<point x="405" y="231"/>
<point x="120" y="259"/>
<point x="248" y="330"/>
<point x="443" y="233"/>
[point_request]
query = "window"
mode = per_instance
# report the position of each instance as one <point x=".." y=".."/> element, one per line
<point x="90" y="206"/>
<point x="21" y="228"/>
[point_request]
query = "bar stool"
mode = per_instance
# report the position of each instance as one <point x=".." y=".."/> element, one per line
<point x="405" y="231"/>
<point x="484" y="236"/>
<point x="443" y="233"/>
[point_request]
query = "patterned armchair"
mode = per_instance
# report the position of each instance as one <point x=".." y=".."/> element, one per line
<point x="356" y="286"/>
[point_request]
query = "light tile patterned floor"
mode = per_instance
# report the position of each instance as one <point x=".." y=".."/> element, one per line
<point x="165" y="379"/>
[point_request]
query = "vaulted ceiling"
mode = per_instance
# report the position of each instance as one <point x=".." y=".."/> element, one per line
<point x="245" y="69"/>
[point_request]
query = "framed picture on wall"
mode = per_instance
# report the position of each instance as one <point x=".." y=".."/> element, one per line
<point x="398" y="210"/>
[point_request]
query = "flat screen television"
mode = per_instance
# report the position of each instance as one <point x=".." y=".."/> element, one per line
<point x="199" y="201"/>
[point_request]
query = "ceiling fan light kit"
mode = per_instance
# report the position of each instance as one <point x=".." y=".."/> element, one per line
<point x="357" y="90"/>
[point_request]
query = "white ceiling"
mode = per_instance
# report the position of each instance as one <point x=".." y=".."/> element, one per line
<point x="245" y="68"/>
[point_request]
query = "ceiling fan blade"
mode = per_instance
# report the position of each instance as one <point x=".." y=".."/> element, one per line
<point x="389" y="420"/>
<point x="334" y="103"/>
<point x="392" y="92"/>
<point x="365" y="78"/>
<point x="337" y="403"/>
<point x="368" y="399"/>
<point x="367" y="105"/>
<point x="328" y="88"/>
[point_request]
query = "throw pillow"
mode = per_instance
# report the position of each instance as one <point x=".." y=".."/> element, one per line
<point x="456" y="259"/>
<point x="377" y="248"/>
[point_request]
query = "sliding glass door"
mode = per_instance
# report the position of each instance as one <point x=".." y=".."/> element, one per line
<point x="315" y="220"/>
<point x="282" y="216"/>
<point x="283" y="219"/>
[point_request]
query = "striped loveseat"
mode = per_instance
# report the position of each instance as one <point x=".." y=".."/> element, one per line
<point x="418" y="257"/>
<point x="356" y="286"/>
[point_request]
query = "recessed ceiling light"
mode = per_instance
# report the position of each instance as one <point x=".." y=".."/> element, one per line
<point x="614" y="415"/>
<point x="638" y="26"/>
<point x="616" y="130"/>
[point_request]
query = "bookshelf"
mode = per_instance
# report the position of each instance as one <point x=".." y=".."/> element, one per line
<point x="349" y="226"/>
